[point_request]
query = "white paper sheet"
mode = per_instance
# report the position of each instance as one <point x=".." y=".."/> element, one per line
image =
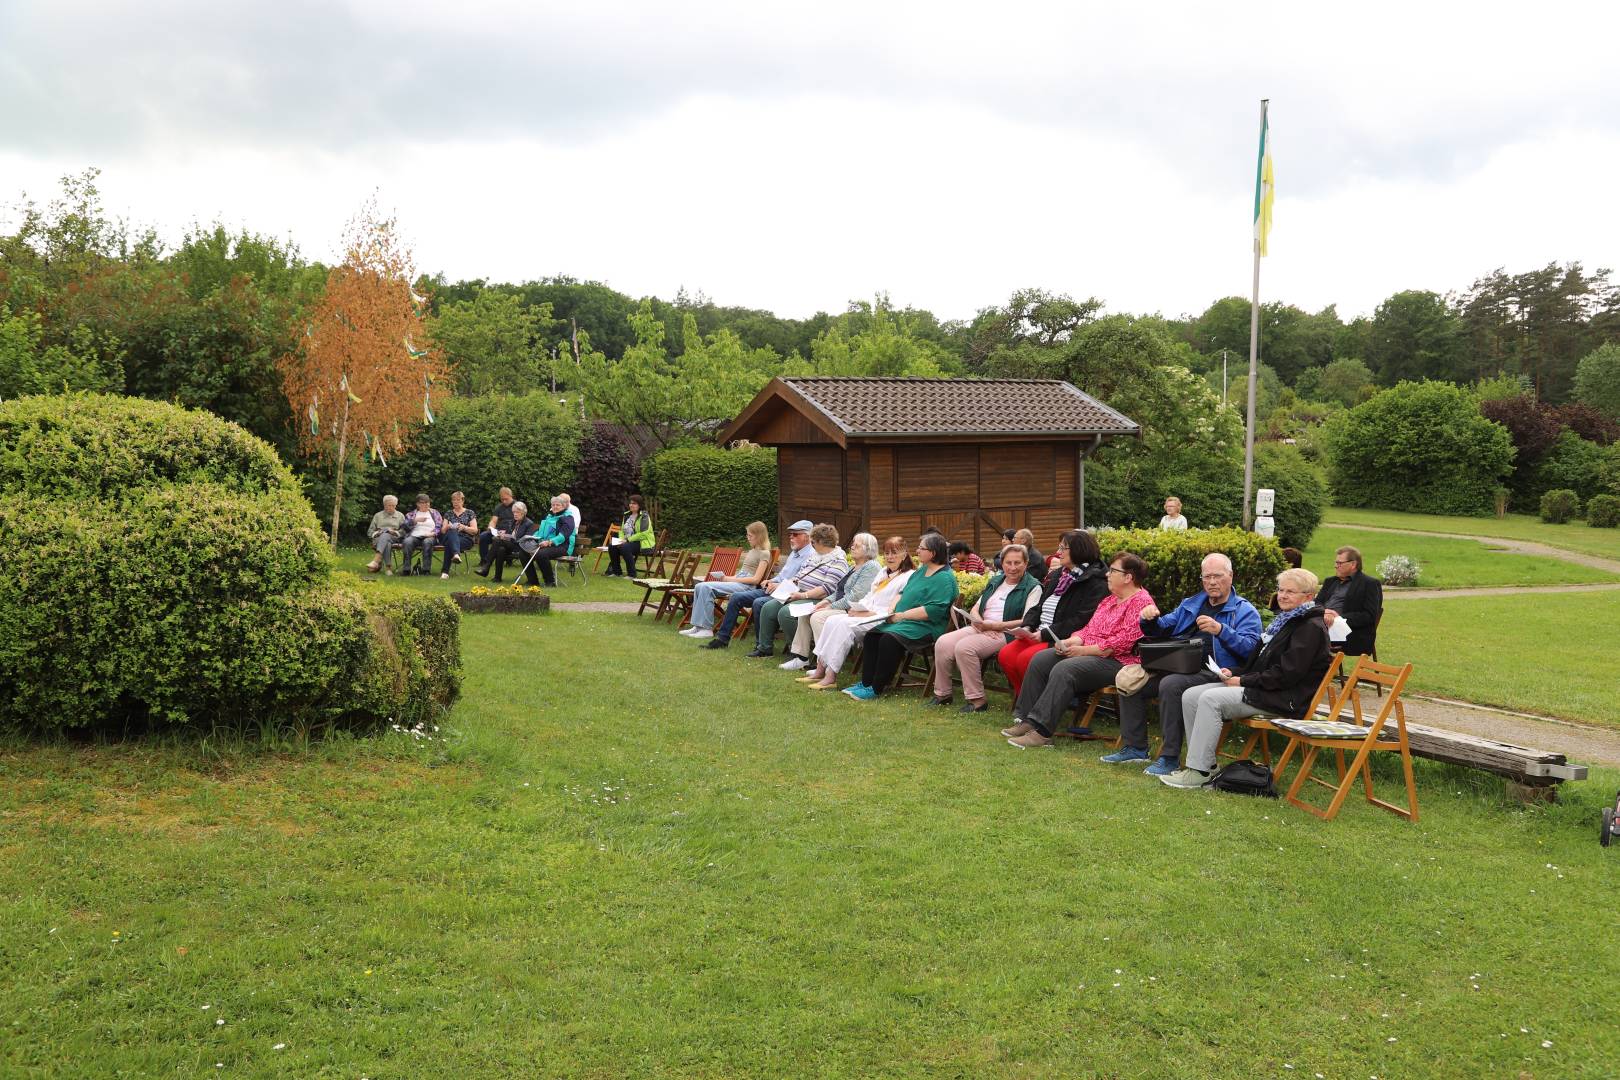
<point x="967" y="619"/>
<point x="616" y="541"/>
<point x="800" y="608"/>
<point x="870" y="620"/>
<point x="1339" y="631"/>
<point x="1209" y="662"/>
<point x="784" y="590"/>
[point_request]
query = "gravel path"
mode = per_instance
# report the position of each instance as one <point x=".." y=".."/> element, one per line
<point x="1392" y="593"/>
<point x="617" y="607"/>
<point x="1523" y="547"/>
<point x="1580" y="743"/>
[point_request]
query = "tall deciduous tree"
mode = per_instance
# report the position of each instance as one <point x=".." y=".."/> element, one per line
<point x="1597" y="380"/>
<point x="359" y="370"/>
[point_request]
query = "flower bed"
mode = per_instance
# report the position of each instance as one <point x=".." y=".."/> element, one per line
<point x="503" y="599"/>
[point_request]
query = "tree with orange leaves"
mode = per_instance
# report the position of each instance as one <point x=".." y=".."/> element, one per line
<point x="360" y="371"/>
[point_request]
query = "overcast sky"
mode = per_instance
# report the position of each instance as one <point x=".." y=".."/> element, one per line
<point x="796" y="157"/>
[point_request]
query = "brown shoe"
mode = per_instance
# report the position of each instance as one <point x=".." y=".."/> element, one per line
<point x="1030" y="740"/>
<point x="1022" y="727"/>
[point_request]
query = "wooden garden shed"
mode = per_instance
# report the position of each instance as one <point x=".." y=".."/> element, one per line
<point x="970" y="457"/>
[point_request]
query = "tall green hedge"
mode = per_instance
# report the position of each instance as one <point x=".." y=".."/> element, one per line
<point x="1175" y="560"/>
<point x="479" y="445"/>
<point x="165" y="568"/>
<point x="1422" y="447"/>
<point x="705" y="493"/>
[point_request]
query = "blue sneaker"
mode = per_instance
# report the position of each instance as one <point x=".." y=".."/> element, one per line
<point x="1164" y="766"/>
<point x="1125" y="754"/>
<point x="861" y="692"/>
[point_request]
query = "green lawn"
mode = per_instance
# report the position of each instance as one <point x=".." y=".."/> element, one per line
<point x="571" y="588"/>
<point x="1448" y="564"/>
<point x="1575" y="536"/>
<point x="632" y="857"/>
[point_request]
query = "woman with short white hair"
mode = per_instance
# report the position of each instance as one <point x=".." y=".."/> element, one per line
<point x="864" y="569"/>
<point x="387" y="529"/>
<point x="1280" y="680"/>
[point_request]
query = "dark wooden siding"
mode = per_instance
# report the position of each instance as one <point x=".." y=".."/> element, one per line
<point x="1017" y="476"/>
<point x="936" y="477"/>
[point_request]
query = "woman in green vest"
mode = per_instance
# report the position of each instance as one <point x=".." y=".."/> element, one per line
<point x="922" y="614"/>
<point x="635" y="534"/>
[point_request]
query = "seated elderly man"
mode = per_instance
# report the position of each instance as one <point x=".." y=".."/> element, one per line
<point x="799" y="554"/>
<point x="1280" y="680"/>
<point x="1354" y="596"/>
<point x="1230" y="627"/>
<point x="386" y="529"/>
<point x="553" y="540"/>
<point x="422" y="528"/>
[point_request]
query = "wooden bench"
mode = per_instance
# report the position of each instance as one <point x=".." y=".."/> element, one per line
<point x="1532" y="775"/>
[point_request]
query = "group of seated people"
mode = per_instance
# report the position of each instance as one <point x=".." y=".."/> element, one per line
<point x="511" y="534"/>
<point x="1059" y="629"/>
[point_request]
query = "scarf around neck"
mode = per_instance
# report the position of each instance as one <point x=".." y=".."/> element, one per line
<point x="1284" y="618"/>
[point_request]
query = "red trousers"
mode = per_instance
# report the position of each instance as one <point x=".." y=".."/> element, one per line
<point x="1014" y="659"/>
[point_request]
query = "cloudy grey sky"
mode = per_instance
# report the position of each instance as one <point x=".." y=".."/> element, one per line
<point x="795" y="157"/>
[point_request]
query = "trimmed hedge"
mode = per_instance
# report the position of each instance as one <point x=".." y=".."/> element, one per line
<point x="1559" y="505"/>
<point x="477" y="446"/>
<point x="195" y="590"/>
<point x="1603" y="511"/>
<point x="1175" y="560"/>
<point x="706" y="493"/>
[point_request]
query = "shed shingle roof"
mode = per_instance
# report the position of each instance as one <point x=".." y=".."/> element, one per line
<point x="870" y="407"/>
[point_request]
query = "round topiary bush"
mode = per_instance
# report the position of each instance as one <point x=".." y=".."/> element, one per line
<point x="166" y="568"/>
<point x="1559" y="505"/>
<point x="1603" y="511"/>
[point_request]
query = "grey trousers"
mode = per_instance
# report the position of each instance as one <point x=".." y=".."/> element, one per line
<point x="1211" y="706"/>
<point x="1053" y="682"/>
<point x="1169" y="688"/>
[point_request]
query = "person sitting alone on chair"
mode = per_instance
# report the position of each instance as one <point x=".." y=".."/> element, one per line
<point x="1356" y="597"/>
<point x="1230" y="627"/>
<point x="635" y="536"/>
<point x="1281" y="680"/>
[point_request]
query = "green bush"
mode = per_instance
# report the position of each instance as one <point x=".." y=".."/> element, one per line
<point x="1302" y="496"/>
<point x="705" y="493"/>
<point x="1572" y="462"/>
<point x="1559" y="505"/>
<point x="1603" y="511"/>
<point x="1175" y="560"/>
<point x="197" y="589"/>
<point x="1421" y="447"/>
<point x="479" y="445"/>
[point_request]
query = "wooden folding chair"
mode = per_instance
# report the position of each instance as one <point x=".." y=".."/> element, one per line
<point x="746" y="615"/>
<point x="680" y="579"/>
<point x="575" y="563"/>
<point x="1316" y="735"/>
<point x="652" y="584"/>
<point x="655" y="553"/>
<point x="724" y="560"/>
<point x="1338" y="647"/>
<point x="607" y="543"/>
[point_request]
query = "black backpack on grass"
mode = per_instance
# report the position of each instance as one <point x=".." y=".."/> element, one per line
<point x="1247" y="777"/>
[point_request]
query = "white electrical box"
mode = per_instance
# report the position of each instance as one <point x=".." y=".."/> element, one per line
<point x="1265" y="526"/>
<point x="1265" y="502"/>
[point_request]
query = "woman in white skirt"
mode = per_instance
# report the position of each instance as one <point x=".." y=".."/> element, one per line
<point x="840" y="630"/>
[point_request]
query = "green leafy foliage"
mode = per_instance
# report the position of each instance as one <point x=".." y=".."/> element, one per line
<point x="1345" y="381"/>
<point x="1301" y="494"/>
<point x="1559" y="505"/>
<point x="704" y="493"/>
<point x="609" y="472"/>
<point x="1603" y="511"/>
<point x="1572" y="462"/>
<point x="167" y="569"/>
<point x="1597" y="380"/>
<point x="479" y="445"/>
<point x="495" y="343"/>
<point x="1175" y="560"/>
<point x="1420" y="447"/>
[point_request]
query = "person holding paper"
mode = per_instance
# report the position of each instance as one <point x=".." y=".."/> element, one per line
<point x="1355" y="599"/>
<point x="506" y="544"/>
<point x="635" y="536"/>
<point x="1230" y="627"/>
<point x="799" y="552"/>
<point x="500" y="520"/>
<point x="921" y="615"/>
<point x="842" y="629"/>
<point x="826" y="568"/>
<point x="1000" y="608"/>
<point x="1069" y="596"/>
<point x="755" y="565"/>
<point x="1280" y="680"/>
<point x="1085" y="661"/>
<point x="863" y="571"/>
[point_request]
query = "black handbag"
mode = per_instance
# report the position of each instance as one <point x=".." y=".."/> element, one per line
<point x="1178" y="657"/>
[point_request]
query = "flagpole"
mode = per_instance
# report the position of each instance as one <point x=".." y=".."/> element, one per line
<point x="1254" y="343"/>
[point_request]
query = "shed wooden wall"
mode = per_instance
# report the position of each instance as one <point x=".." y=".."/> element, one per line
<point x="969" y="491"/>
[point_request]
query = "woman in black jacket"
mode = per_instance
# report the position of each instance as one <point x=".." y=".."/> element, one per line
<point x="1068" y="597"/>
<point x="1280" y="680"/>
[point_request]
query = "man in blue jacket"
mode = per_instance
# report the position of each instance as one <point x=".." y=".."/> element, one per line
<point x="1230" y="627"/>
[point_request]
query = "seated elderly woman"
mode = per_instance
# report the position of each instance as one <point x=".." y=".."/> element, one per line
<point x="921" y="615"/>
<point x="422" y="528"/>
<point x="756" y="564"/>
<point x="507" y="543"/>
<point x="843" y="629"/>
<point x="1085" y="661"/>
<point x="386" y="529"/>
<point x="1000" y="608"/>
<point x="853" y="586"/>
<point x="1069" y="596"/>
<point x="1281" y="680"/>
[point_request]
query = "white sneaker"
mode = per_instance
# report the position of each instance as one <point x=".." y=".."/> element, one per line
<point x="700" y="635"/>
<point x="794" y="664"/>
<point x="444" y="577"/>
<point x="1190" y="779"/>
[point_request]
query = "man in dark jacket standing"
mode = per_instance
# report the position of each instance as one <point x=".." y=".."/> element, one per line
<point x="1354" y="596"/>
<point x="1280" y="680"/>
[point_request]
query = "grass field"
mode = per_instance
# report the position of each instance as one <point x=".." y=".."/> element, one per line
<point x="1575" y="536"/>
<point x="632" y="857"/>
<point x="1446" y="563"/>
